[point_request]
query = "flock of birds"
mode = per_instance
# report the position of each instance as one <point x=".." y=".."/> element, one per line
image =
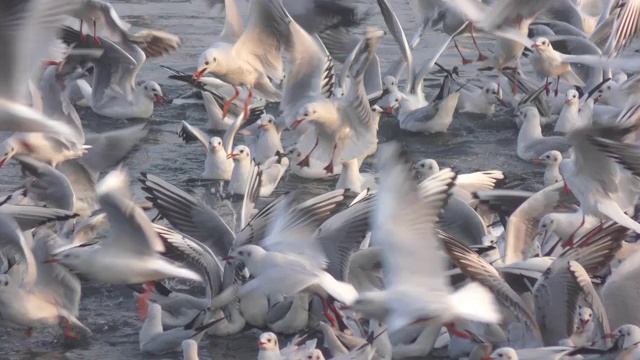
<point x="387" y="266"/>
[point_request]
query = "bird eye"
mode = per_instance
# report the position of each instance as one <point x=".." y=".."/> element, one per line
<point x="241" y="151"/>
<point x="206" y="63"/>
<point x="487" y="91"/>
<point x="268" y="340"/>
<point x="547" y="157"/>
<point x="240" y="253"/>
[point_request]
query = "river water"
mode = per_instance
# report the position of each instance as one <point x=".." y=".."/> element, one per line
<point x="472" y="143"/>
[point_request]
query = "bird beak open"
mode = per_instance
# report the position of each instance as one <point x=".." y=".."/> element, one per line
<point x="537" y="161"/>
<point x="51" y="261"/>
<point x="231" y="156"/>
<point x="389" y="110"/>
<point x="584" y="323"/>
<point x="159" y="99"/>
<point x="296" y="123"/>
<point x="228" y="257"/>
<point x="199" y="74"/>
<point x="535" y="46"/>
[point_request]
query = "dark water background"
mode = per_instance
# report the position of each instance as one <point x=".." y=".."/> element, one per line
<point x="472" y="143"/>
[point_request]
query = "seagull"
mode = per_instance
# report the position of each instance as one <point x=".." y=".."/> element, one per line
<point x="531" y="143"/>
<point x="41" y="146"/>
<point x="342" y="129"/>
<point x="113" y="92"/>
<point x="268" y="143"/>
<point x="216" y="165"/>
<point x="255" y="58"/>
<point x="272" y="171"/>
<point x="547" y="62"/>
<point x="101" y="13"/>
<point x="404" y="218"/>
<point x="133" y="245"/>
<point x="569" y="117"/>
<point x="480" y="101"/>
<point x="552" y="161"/>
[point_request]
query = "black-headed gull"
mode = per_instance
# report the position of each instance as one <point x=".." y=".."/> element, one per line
<point x="342" y="129"/>
<point x="102" y="14"/>
<point x="35" y="23"/>
<point x="46" y="294"/>
<point x="552" y="161"/>
<point x="431" y="118"/>
<point x="255" y="57"/>
<point x="272" y="171"/>
<point x="133" y="245"/>
<point x="531" y="144"/>
<point x="547" y="62"/>
<point x="268" y="143"/>
<point x="569" y="117"/>
<point x="153" y="339"/>
<point x="480" y="101"/>
<point x="113" y="92"/>
<point x="404" y="217"/>
<point x="41" y="146"/>
<point x="216" y="163"/>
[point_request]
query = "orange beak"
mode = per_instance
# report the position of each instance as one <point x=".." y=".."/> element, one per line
<point x="232" y="156"/>
<point x="537" y="161"/>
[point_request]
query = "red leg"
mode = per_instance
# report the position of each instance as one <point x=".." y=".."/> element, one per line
<point x="325" y="309"/>
<point x="335" y="311"/>
<point x="95" y="36"/>
<point x="480" y="56"/>
<point x="329" y="167"/>
<point x="570" y="241"/>
<point x="594" y="233"/>
<point x="465" y="61"/>
<point x="246" y="104"/>
<point x="305" y="161"/>
<point x="142" y="303"/>
<point x="547" y="90"/>
<point x="499" y="77"/>
<point x="67" y="331"/>
<point x="514" y="90"/>
<point x="453" y="331"/>
<point x="82" y="37"/>
<point x="225" y="109"/>
<point x="557" y="85"/>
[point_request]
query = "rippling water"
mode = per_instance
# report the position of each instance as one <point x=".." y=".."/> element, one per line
<point x="472" y="143"/>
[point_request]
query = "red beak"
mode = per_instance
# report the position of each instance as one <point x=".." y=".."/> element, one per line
<point x="261" y="343"/>
<point x="231" y="156"/>
<point x="161" y="100"/>
<point x="51" y="261"/>
<point x="566" y="187"/>
<point x="296" y="123"/>
<point x="262" y="126"/>
<point x="228" y="257"/>
<point x="535" y="46"/>
<point x="199" y="74"/>
<point x="388" y="111"/>
<point x="2" y="161"/>
<point x="536" y="161"/>
<point x="584" y="323"/>
<point x="609" y="336"/>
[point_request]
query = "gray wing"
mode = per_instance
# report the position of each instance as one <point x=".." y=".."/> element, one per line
<point x="542" y="145"/>
<point x="189" y="133"/>
<point x="319" y="15"/>
<point x="29" y="217"/>
<point x="256" y="229"/>
<point x="49" y="186"/>
<point x="111" y="147"/>
<point x="559" y="28"/>
<point x="462" y="222"/>
<point x="595" y="250"/>
<point x="155" y="43"/>
<point x="55" y="102"/>
<point x="233" y="25"/>
<point x="115" y="70"/>
<point x="397" y="32"/>
<point x="54" y="280"/>
<point x="279" y="310"/>
<point x="478" y="269"/>
<point x="251" y="195"/>
<point x="342" y="234"/>
<point x="556" y="296"/>
<point x="191" y="252"/>
<point x="27" y="30"/>
<point x="523" y="223"/>
<point x="83" y="182"/>
<point x="306" y="64"/>
<point x="354" y="107"/>
<point x="131" y="229"/>
<point x="625" y="28"/>
<point x="12" y="243"/>
<point x="188" y="214"/>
